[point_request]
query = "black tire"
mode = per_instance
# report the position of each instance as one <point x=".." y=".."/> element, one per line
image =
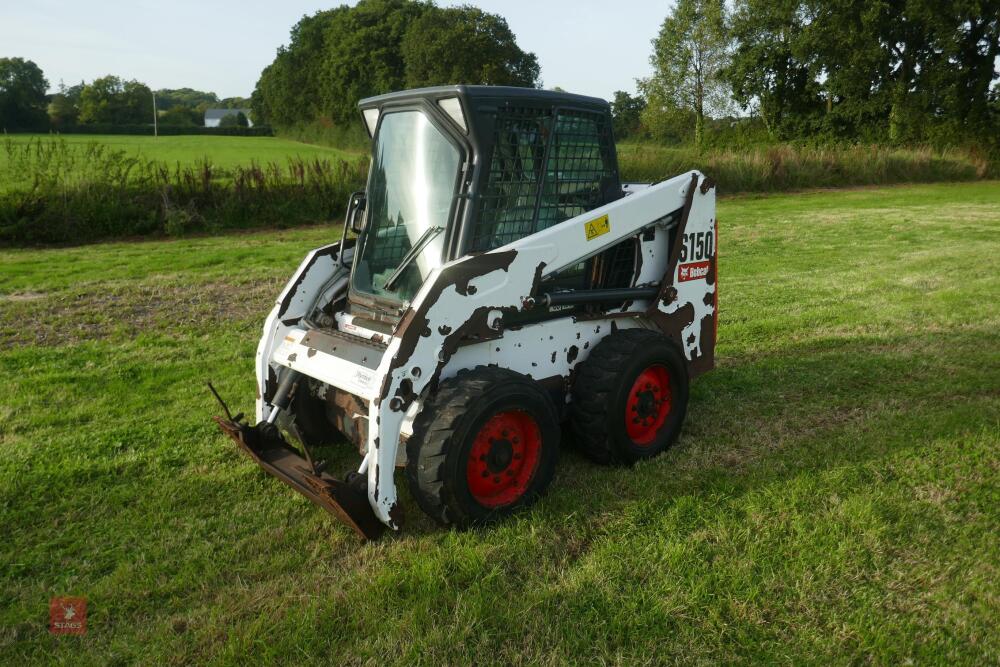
<point x="478" y="403"/>
<point x="602" y="390"/>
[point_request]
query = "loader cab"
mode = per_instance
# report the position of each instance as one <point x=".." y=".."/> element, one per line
<point x="460" y="170"/>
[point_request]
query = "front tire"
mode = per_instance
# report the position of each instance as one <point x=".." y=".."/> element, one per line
<point x="484" y="446"/>
<point x="630" y="397"/>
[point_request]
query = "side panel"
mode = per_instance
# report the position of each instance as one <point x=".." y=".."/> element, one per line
<point x="546" y="352"/>
<point x="687" y="307"/>
<point x="320" y="271"/>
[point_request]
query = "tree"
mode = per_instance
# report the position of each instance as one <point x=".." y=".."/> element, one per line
<point x="167" y="98"/>
<point x="902" y="71"/>
<point x="22" y="95"/>
<point x="871" y="57"/>
<point x="64" y="107"/>
<point x="689" y="56"/>
<point x="334" y="59"/>
<point x="771" y="71"/>
<point x="238" y="119"/>
<point x="465" y="45"/>
<point x="180" y="116"/>
<point x="626" y="113"/>
<point x="112" y="100"/>
<point x="958" y="74"/>
<point x="234" y="103"/>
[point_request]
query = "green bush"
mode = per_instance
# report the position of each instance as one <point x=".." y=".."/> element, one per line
<point x="786" y="167"/>
<point x="58" y="192"/>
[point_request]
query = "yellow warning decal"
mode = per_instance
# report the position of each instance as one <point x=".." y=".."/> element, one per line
<point x="595" y="228"/>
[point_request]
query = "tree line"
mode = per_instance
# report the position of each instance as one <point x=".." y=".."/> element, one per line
<point x="724" y="73"/>
<point x="823" y="71"/>
<point x="26" y="105"/>
<point x="893" y="71"/>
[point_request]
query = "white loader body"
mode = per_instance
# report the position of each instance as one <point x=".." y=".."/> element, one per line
<point x="457" y="319"/>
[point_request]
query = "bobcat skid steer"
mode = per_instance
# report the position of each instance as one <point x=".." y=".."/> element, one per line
<point x="502" y="281"/>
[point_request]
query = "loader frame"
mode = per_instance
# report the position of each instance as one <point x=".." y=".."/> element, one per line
<point x="456" y="319"/>
<point x="373" y="362"/>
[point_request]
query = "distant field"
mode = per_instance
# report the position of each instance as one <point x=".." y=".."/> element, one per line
<point x="833" y="498"/>
<point x="222" y="152"/>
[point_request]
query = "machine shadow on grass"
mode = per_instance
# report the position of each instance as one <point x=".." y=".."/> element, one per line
<point x="765" y="418"/>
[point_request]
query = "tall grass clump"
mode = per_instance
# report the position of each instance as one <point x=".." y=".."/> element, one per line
<point x="52" y="191"/>
<point x="785" y="167"/>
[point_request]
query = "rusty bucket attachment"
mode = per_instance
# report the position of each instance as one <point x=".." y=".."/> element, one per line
<point x="268" y="448"/>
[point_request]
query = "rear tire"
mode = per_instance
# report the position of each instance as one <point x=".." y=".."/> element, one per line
<point x="629" y="397"/>
<point x="484" y="446"/>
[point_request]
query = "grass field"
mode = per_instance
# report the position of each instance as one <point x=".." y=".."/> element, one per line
<point x="224" y="152"/>
<point x="834" y="498"/>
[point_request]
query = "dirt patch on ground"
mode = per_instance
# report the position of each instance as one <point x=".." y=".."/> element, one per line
<point x="22" y="296"/>
<point x="103" y="312"/>
<point x="908" y="215"/>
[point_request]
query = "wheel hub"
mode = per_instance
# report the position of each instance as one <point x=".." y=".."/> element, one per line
<point x="500" y="455"/>
<point x="648" y="404"/>
<point x="503" y="458"/>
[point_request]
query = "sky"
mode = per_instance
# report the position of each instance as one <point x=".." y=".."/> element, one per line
<point x="592" y="47"/>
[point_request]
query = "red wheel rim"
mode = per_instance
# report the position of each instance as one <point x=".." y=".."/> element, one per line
<point x="648" y="405"/>
<point x="503" y="458"/>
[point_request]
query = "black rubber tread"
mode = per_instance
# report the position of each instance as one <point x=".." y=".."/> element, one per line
<point x="599" y="391"/>
<point x="445" y="428"/>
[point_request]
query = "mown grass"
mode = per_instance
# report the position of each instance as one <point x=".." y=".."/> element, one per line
<point x="833" y="498"/>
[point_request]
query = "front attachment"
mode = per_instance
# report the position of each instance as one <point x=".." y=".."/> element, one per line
<point x="268" y="448"/>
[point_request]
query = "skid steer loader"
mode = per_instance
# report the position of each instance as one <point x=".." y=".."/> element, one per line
<point x="502" y="281"/>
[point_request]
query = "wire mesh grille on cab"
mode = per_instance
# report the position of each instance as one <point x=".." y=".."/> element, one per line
<point x="538" y="178"/>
